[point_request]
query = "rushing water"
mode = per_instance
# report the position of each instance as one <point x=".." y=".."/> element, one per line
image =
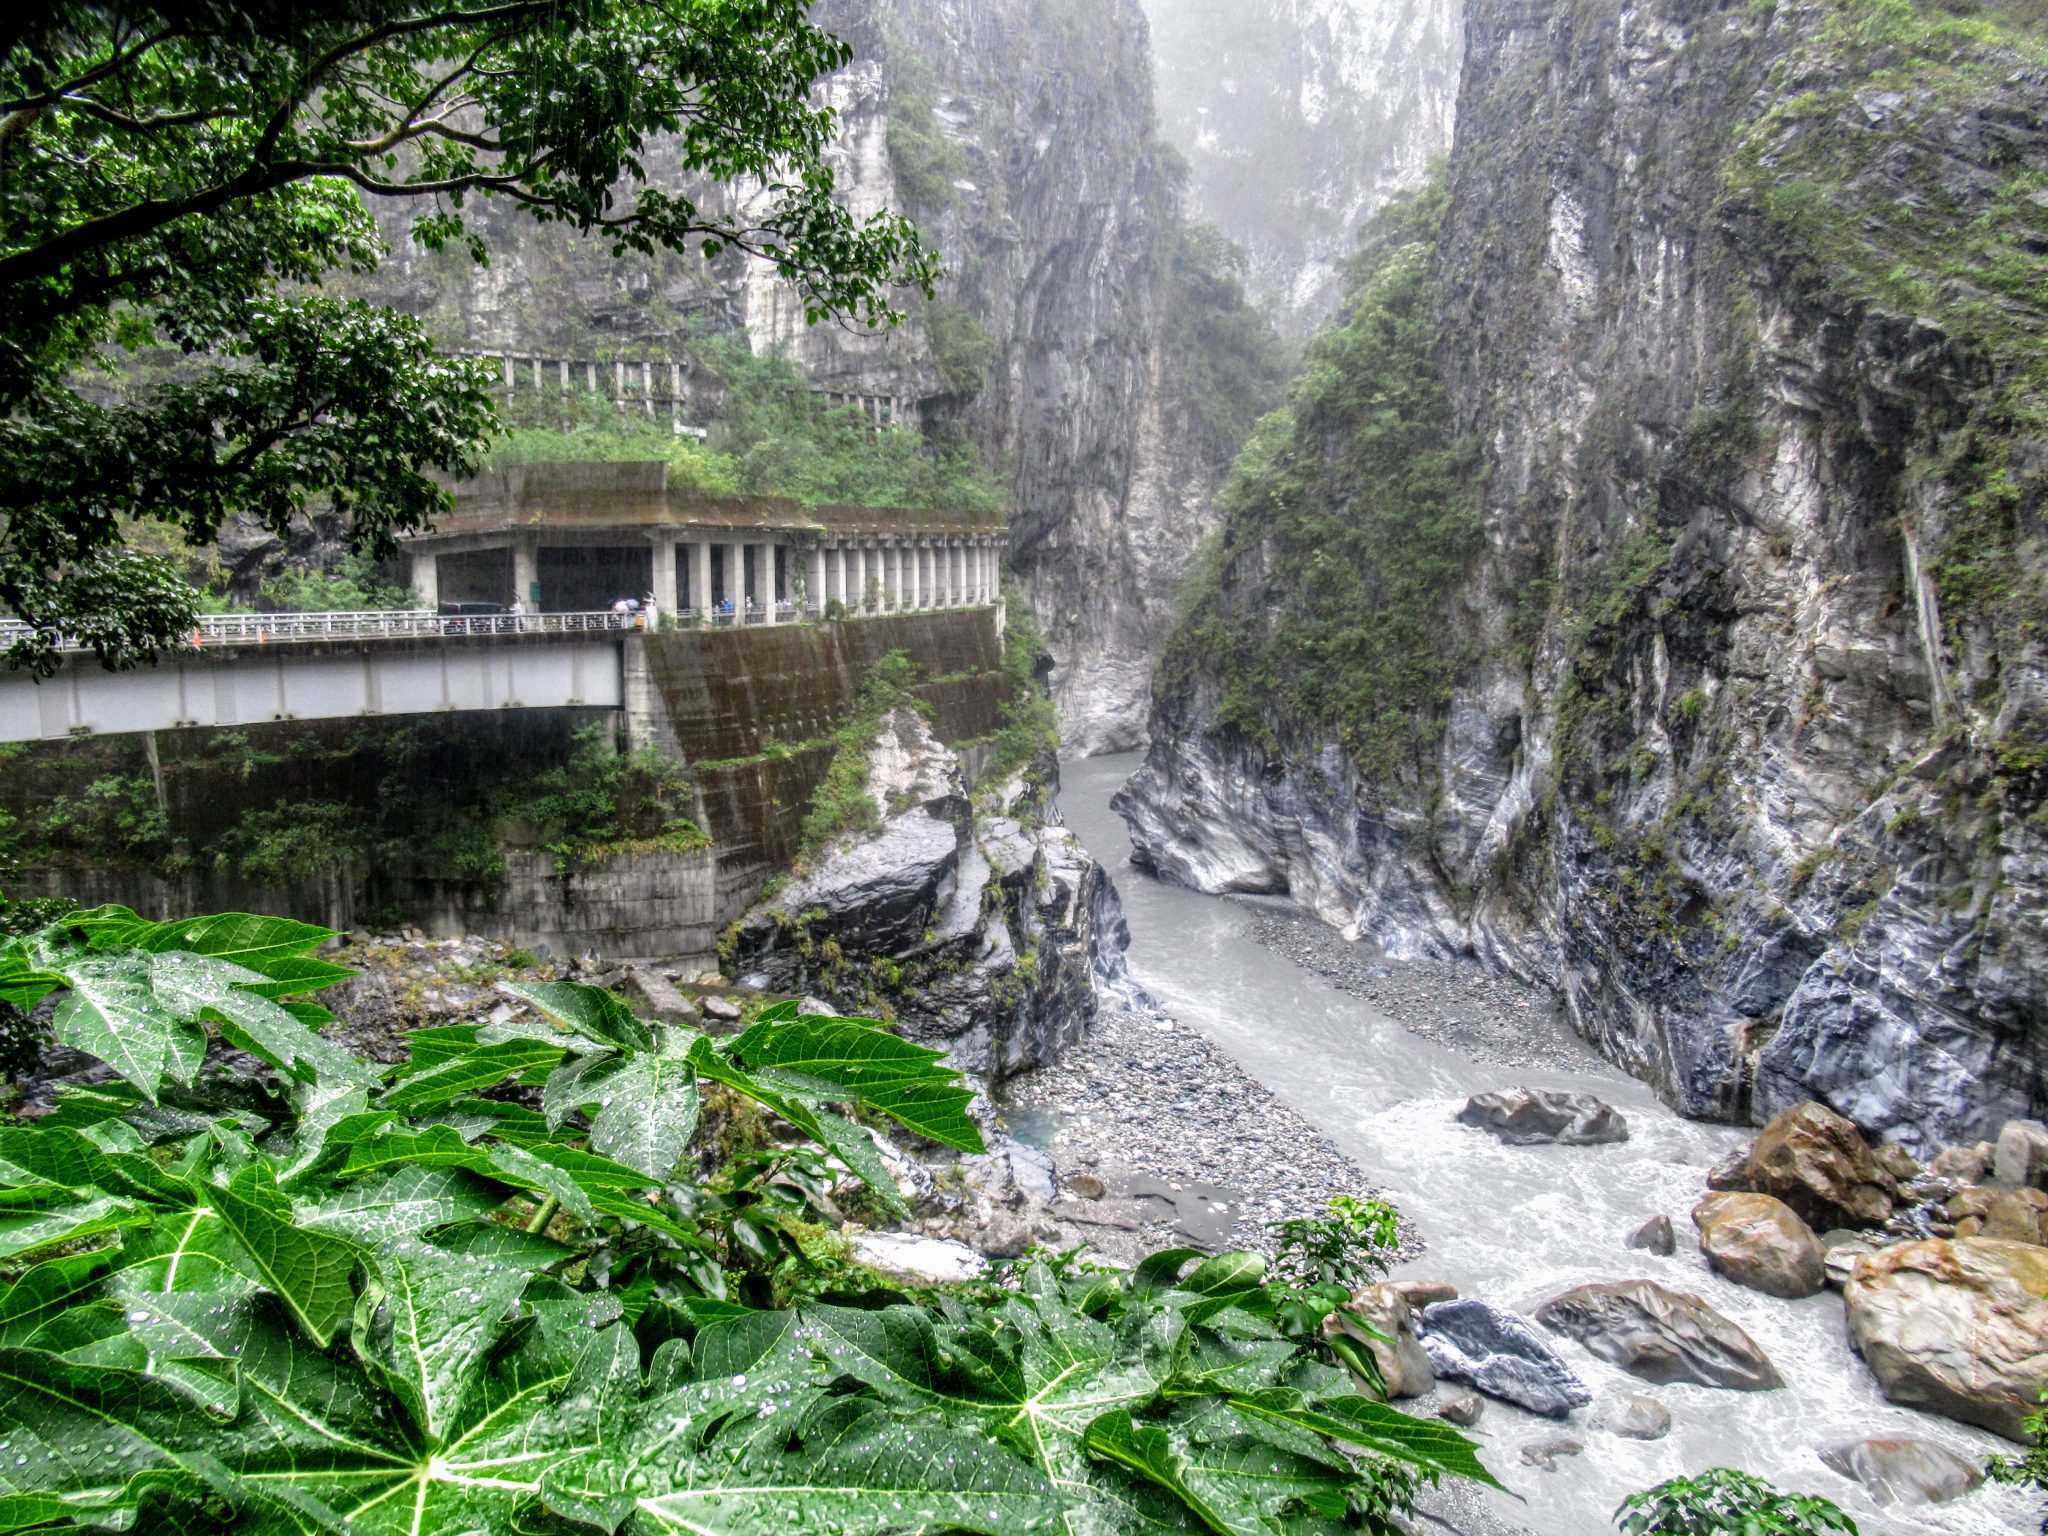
<point x="1516" y="1225"/>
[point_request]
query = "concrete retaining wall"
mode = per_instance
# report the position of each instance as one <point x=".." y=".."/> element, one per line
<point x="750" y="709"/>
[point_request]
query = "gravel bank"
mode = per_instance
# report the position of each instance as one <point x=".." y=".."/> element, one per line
<point x="1185" y="1144"/>
<point x="1490" y="1019"/>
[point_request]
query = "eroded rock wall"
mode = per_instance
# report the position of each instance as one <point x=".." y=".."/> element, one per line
<point x="1741" y="736"/>
<point x="978" y="925"/>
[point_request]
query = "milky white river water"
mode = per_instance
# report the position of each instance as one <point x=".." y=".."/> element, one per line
<point x="1516" y="1225"/>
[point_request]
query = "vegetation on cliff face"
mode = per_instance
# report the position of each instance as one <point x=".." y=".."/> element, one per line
<point x="1885" y="91"/>
<point x="1350" y="519"/>
<point x="412" y="799"/>
<point x="778" y="437"/>
<point x="516" y="1282"/>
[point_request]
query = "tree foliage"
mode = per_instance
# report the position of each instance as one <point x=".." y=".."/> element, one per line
<point x="179" y="176"/>
<point x="493" y="1289"/>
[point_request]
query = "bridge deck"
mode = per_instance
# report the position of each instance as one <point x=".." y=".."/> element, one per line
<point x="226" y="683"/>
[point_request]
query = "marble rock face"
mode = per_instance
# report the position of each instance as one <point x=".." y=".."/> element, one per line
<point x="1500" y="1354"/>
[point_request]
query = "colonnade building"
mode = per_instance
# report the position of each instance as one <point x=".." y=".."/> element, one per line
<point x="577" y="538"/>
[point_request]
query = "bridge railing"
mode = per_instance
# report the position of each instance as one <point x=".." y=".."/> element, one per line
<point x="424" y="623"/>
<point x="376" y="624"/>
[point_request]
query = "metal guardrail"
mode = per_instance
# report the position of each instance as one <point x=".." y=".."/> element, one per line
<point x="375" y="624"/>
<point x="421" y="623"/>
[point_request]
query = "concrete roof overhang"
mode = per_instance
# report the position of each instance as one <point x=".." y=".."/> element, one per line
<point x="636" y="497"/>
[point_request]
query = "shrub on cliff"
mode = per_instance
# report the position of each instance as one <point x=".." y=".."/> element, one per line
<point x="495" y="1288"/>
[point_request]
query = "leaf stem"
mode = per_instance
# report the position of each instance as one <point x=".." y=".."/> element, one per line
<point x="542" y="1216"/>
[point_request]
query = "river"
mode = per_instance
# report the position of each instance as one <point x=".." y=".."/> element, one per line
<point x="1516" y="1225"/>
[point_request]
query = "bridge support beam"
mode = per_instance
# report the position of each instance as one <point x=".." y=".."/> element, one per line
<point x="426" y="580"/>
<point x="700" y="579"/>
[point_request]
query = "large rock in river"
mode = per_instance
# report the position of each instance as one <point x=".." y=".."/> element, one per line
<point x="1958" y="1328"/>
<point x="1902" y="1471"/>
<point x="1379" y="1319"/>
<point x="1760" y="1242"/>
<point x="1519" y="1116"/>
<point x="1660" y="1335"/>
<point x="1501" y="1355"/>
<point x="1819" y="1164"/>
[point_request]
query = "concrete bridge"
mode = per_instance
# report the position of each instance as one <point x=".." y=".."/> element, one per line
<point x="516" y="589"/>
<point x="256" y="668"/>
<point x="249" y="669"/>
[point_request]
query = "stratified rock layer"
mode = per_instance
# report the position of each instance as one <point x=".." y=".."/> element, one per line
<point x="1495" y="1351"/>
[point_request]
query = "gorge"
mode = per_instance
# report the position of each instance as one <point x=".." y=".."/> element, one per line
<point x="1438" y="603"/>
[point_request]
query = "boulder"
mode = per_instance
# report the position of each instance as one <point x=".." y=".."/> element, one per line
<point x="1839" y="1251"/>
<point x="1819" y="1164"/>
<point x="1501" y="1355"/>
<point x="1660" y="1335"/>
<point x="1898" y="1162"/>
<point x="653" y="996"/>
<point x="1731" y="1172"/>
<point x="1956" y="1327"/>
<point x="723" y="1009"/>
<point x="1463" y="1410"/>
<point x="1424" y="1293"/>
<point x="2020" y="1157"/>
<point x="1522" y="1116"/>
<point x="1636" y="1417"/>
<point x="1760" y="1242"/>
<point x="2017" y="1215"/>
<point x="933" y="1260"/>
<point x="1964" y="1165"/>
<point x="1086" y="1186"/>
<point x="1655" y="1236"/>
<point x="1384" y="1311"/>
<point x="1905" y="1471"/>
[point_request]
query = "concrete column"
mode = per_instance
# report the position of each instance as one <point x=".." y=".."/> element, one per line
<point x="764" y="576"/>
<point x="736" y="579"/>
<point x="665" y="588"/>
<point x="860" y="578"/>
<point x="426" y="579"/>
<point x="526" y="571"/>
<point x="977" y="574"/>
<point x="837" y="557"/>
<point x="915" y="596"/>
<point x="700" y="578"/>
<point x="960" y="598"/>
<point x="890" y="565"/>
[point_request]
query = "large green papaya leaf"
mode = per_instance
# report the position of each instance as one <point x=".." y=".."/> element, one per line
<point x="588" y="1011"/>
<point x="313" y="1271"/>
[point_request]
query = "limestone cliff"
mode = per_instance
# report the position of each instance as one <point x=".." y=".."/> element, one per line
<point x="1297" y="119"/>
<point x="1646" y="591"/>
